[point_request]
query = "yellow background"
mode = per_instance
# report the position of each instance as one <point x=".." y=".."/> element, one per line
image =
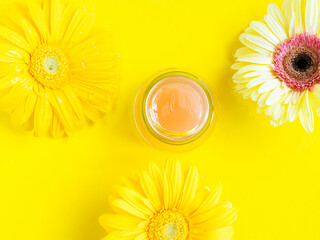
<point x="55" y="189"/>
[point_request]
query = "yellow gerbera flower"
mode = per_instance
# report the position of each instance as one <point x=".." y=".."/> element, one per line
<point x="168" y="204"/>
<point x="56" y="71"/>
<point x="280" y="65"/>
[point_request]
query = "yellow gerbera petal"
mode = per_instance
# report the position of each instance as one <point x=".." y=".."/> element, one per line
<point x="56" y="127"/>
<point x="65" y="20"/>
<point x="12" y="19"/>
<point x="55" y="20"/>
<point x="77" y="83"/>
<point x="201" y="215"/>
<point x="126" y="207"/>
<point x="222" y="214"/>
<point x="74" y="103"/>
<point x="23" y="112"/>
<point x="81" y="20"/>
<point x="157" y="176"/>
<point x="134" y="199"/>
<point x="9" y="80"/>
<point x="190" y="188"/>
<point x="174" y="171"/>
<point x="31" y="34"/>
<point x="89" y="110"/>
<point x="62" y="109"/>
<point x="12" y="54"/>
<point x="224" y="233"/>
<point x="42" y="117"/>
<point x="39" y="19"/>
<point x="14" y="38"/>
<point x="93" y="94"/>
<point x="112" y="236"/>
<point x="141" y="236"/>
<point x="211" y="200"/>
<point x="120" y="235"/>
<point x="16" y="95"/>
<point x="119" y="222"/>
<point x="167" y="192"/>
<point x="132" y="182"/>
<point x="151" y="190"/>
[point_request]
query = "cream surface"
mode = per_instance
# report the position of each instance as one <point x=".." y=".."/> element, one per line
<point x="178" y="105"/>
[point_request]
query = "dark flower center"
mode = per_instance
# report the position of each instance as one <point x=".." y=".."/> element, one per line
<point x="302" y="62"/>
<point x="297" y="61"/>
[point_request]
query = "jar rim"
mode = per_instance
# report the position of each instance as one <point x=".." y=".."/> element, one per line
<point x="141" y="105"/>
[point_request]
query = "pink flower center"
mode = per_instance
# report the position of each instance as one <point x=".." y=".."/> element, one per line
<point x="297" y="61"/>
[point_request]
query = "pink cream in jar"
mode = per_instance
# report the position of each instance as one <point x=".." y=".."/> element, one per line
<point x="174" y="110"/>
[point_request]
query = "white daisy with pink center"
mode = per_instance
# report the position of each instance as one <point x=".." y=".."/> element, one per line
<point x="279" y="67"/>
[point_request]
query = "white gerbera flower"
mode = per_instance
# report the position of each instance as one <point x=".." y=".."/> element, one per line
<point x="279" y="67"/>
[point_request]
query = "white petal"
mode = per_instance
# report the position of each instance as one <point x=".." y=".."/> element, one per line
<point x="278" y="112"/>
<point x="255" y="95"/>
<point x="262" y="99"/>
<point x="315" y="102"/>
<point x="288" y="11"/>
<point x="274" y="123"/>
<point x="275" y="110"/>
<point x="259" y="41"/>
<point x="316" y="91"/>
<point x="318" y="112"/>
<point x="246" y="93"/>
<point x="272" y="100"/>
<point x="238" y="65"/>
<point x="275" y="12"/>
<point x="316" y="98"/>
<point x="247" y="73"/>
<point x="298" y="13"/>
<point x="281" y="121"/>
<point x="239" y="87"/>
<point x="292" y="27"/>
<point x="256" y="58"/>
<point x="276" y="27"/>
<point x="254" y="67"/>
<point x="241" y="80"/>
<point x="252" y="46"/>
<point x="250" y="30"/>
<point x="289" y="97"/>
<point x="265" y="32"/>
<point x="243" y="51"/>
<point x="306" y="114"/>
<point x="312" y="16"/>
<point x="261" y="109"/>
<point x="257" y="81"/>
<point x="279" y="91"/>
<point x="295" y="97"/>
<point x="270" y="110"/>
<point x="269" y="85"/>
<point x="258" y="73"/>
<point x="305" y="104"/>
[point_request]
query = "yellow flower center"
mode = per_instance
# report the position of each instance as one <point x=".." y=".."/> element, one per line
<point x="168" y="225"/>
<point x="48" y="65"/>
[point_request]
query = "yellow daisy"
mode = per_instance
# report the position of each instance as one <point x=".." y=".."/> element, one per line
<point x="56" y="71"/>
<point x="279" y="67"/>
<point x="169" y="204"/>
